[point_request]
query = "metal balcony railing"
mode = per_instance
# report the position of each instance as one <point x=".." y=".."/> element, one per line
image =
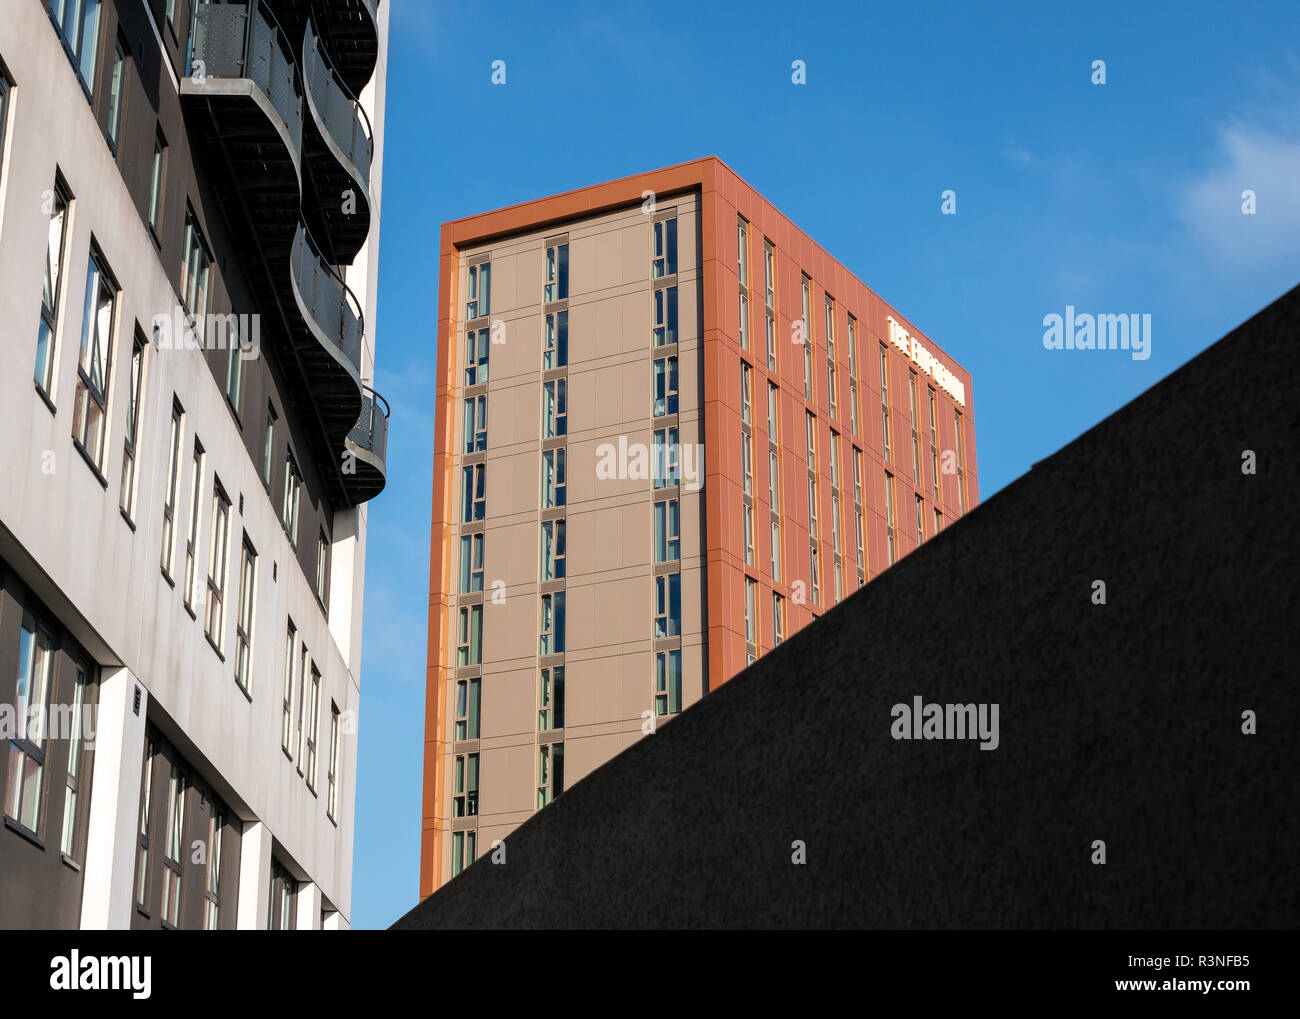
<point x="342" y="116"/>
<point x="371" y="430"/>
<point x="328" y="301"/>
<point x="245" y="41"/>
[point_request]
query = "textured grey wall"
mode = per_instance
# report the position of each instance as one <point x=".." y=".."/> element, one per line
<point x="1119" y="722"/>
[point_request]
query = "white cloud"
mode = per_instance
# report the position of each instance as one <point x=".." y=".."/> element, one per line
<point x="1248" y="158"/>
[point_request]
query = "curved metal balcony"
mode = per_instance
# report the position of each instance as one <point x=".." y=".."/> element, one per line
<point x="331" y="349"/>
<point x="350" y="29"/>
<point x="368" y="444"/>
<point x="338" y="150"/>
<point x="245" y="95"/>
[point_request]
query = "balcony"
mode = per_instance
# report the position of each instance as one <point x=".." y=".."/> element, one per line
<point x="337" y="154"/>
<point x="350" y="31"/>
<point x="328" y="346"/>
<point x="245" y="98"/>
<point x="368" y="444"/>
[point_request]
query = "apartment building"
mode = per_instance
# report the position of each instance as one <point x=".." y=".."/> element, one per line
<point x="190" y="198"/>
<point x="672" y="431"/>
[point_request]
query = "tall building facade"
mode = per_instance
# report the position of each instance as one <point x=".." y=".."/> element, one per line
<point x="189" y="221"/>
<point x="672" y="431"/>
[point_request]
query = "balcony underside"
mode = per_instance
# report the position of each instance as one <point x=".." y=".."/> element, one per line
<point x="309" y="328"/>
<point x="349" y="28"/>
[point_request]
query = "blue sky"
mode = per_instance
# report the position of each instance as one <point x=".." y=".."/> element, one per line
<point x="1122" y="197"/>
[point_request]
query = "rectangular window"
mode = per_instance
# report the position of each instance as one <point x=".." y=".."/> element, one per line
<point x="94" y="363"/>
<point x="477" y="344"/>
<point x="775" y="540"/>
<point x="304" y="670"/>
<point x="746" y="393"/>
<point x="550" y="769"/>
<point x="553" y="477"/>
<point x="471" y="563"/>
<point x="938" y="520"/>
<point x="234" y="371"/>
<point x="742" y="252"/>
<point x="668" y="605"/>
<point x="126" y="497"/>
<point x="479" y="303"/>
<point x="286" y="713"/>
<point x="773" y="397"/>
<point x="475" y="432"/>
<point x="215" y="617"/>
<point x="747" y="514"/>
<point x="78" y="23"/>
<point x="313" y="726"/>
<point x="769" y="301"/>
<point x="146" y="813"/>
<point x="961" y="461"/>
<point x="332" y="794"/>
<point x="751" y="611"/>
<point x="668" y="682"/>
<point x="667" y="458"/>
<point x="884" y="400"/>
<point x="51" y="293"/>
<point x="552" y="550"/>
<point x="195" y="270"/>
<point x="292" y="500"/>
<point x="156" y="177"/>
<point x="934" y="444"/>
<point x="463" y="850"/>
<point x="858" y="527"/>
<point x="555" y="408"/>
<point x="810" y="440"/>
<point x="853" y="375"/>
<point x="174" y="849"/>
<point x="807" y="338"/>
<point x="920" y="521"/>
<point x="664" y="327"/>
<point x="473" y="488"/>
<point x="837" y="546"/>
<point x="465" y="793"/>
<point x="469" y="640"/>
<point x="742" y="272"/>
<point x="322" y="568"/>
<point x="916" y="435"/>
<point x="556" y="352"/>
<point x="550" y="711"/>
<point x="244" y="622"/>
<point x="70" y="843"/>
<point x="115" y="93"/>
<point x="557" y="273"/>
<point x="268" y="444"/>
<point x="192" y="539"/>
<point x="668" y="540"/>
<point x="550" y="640"/>
<point x="832" y="374"/>
<point x="778" y="619"/>
<point x="746" y="462"/>
<point x="665" y="385"/>
<point x="890" y="530"/>
<point x="664" y="262"/>
<point x="26" y="787"/>
<point x="769" y="274"/>
<point x="284" y="890"/>
<point x="468" y="702"/>
<point x="173" y="480"/>
<point x="212" y="886"/>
